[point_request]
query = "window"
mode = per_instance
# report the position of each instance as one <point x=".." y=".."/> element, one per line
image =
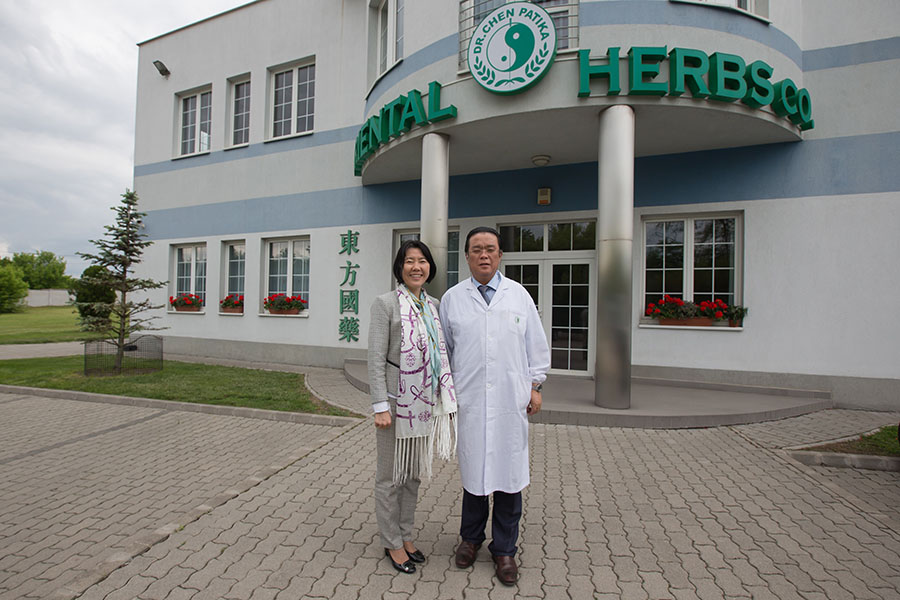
<point x="236" y="255"/>
<point x="579" y="235"/>
<point x="693" y="258"/>
<point x="754" y="7"/>
<point x="293" y="88"/>
<point x="196" y="118"/>
<point x="452" y="253"/>
<point x="241" y="113"/>
<point x="563" y="12"/>
<point x="190" y="270"/>
<point x="388" y="33"/>
<point x="287" y="268"/>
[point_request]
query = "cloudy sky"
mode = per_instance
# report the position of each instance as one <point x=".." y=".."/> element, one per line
<point x="68" y="72"/>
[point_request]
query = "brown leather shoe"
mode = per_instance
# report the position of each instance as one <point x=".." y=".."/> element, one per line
<point x="465" y="554"/>
<point x="506" y="569"/>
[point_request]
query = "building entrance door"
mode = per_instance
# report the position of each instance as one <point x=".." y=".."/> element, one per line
<point x="561" y="290"/>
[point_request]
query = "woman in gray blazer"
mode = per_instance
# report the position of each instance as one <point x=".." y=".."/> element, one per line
<point x="414" y="406"/>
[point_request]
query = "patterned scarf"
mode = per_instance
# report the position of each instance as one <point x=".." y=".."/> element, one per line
<point x="426" y="407"/>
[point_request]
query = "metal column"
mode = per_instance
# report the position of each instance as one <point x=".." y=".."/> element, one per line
<point x="435" y="204"/>
<point x="615" y="226"/>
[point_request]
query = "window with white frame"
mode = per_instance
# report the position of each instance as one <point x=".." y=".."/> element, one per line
<point x="240" y="119"/>
<point x="196" y="121"/>
<point x="694" y="258"/>
<point x="293" y="99"/>
<point x="452" y="253"/>
<point x="190" y="270"/>
<point x="287" y="267"/>
<point x="388" y="18"/>
<point x="235" y="254"/>
<point x="563" y="12"/>
<point x="754" y="7"/>
<point x="552" y="237"/>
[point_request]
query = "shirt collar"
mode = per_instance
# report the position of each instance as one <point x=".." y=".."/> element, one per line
<point x="494" y="283"/>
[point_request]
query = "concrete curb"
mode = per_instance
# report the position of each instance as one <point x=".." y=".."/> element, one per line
<point x="854" y="461"/>
<point x="209" y="409"/>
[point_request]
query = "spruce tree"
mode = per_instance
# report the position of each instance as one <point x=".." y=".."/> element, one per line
<point x="117" y="256"/>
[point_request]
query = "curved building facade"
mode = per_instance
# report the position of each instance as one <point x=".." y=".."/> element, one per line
<point x="742" y="150"/>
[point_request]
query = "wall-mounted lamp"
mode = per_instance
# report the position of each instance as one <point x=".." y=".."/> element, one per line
<point x="541" y="160"/>
<point x="161" y="67"/>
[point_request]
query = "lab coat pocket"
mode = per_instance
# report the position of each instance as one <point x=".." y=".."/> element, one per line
<point x="516" y="323"/>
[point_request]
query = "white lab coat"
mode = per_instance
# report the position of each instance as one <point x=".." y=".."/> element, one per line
<point x="496" y="352"/>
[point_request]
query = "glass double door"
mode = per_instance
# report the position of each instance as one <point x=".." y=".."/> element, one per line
<point x="562" y="291"/>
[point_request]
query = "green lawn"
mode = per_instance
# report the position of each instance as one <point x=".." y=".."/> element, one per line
<point x="185" y="382"/>
<point x="38" y="325"/>
<point x="883" y="442"/>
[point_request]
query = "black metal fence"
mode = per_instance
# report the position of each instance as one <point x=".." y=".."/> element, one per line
<point x="143" y="354"/>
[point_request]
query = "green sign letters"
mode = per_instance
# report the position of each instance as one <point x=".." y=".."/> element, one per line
<point x="728" y="78"/>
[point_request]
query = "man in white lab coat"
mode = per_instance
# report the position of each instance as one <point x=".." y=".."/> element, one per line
<point x="499" y="357"/>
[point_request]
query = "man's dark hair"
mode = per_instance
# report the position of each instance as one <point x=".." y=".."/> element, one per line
<point x="483" y="230"/>
<point x="401" y="256"/>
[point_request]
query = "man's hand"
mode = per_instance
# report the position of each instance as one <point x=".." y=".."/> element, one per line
<point x="383" y="420"/>
<point x="534" y="406"/>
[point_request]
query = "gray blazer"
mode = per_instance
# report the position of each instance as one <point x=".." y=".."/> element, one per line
<point x="384" y="346"/>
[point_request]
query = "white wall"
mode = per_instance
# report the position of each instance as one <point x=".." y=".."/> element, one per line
<point x="817" y="273"/>
<point x="47" y="298"/>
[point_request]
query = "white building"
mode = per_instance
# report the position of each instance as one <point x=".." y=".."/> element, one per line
<point x="766" y="148"/>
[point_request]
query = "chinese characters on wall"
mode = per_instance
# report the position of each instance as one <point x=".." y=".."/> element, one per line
<point x="348" y="326"/>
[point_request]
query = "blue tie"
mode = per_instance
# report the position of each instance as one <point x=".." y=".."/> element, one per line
<point x="484" y="293"/>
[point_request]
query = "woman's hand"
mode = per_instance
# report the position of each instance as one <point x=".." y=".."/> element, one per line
<point x="383" y="420"/>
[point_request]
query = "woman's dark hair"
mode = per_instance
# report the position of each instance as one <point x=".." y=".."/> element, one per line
<point x="482" y="229"/>
<point x="401" y="256"/>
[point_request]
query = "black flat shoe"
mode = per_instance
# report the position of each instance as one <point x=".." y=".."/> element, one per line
<point x="407" y="567"/>
<point x="416" y="557"/>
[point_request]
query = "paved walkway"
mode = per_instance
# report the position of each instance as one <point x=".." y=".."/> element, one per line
<point x="170" y="504"/>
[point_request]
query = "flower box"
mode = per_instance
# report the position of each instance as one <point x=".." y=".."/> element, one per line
<point x="188" y="308"/>
<point x="673" y="311"/>
<point x="282" y="304"/>
<point x="688" y="322"/>
<point x="232" y="303"/>
<point x="186" y="303"/>
<point x="284" y="311"/>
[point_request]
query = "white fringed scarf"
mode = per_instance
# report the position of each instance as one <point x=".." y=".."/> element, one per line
<point x="426" y="406"/>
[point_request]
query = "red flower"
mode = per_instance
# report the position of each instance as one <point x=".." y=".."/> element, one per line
<point x="719" y="314"/>
<point x="657" y="311"/>
<point x="188" y="301"/>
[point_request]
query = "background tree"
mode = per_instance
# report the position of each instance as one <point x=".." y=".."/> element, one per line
<point x="12" y="287"/>
<point x="94" y="301"/>
<point x="42" y="270"/>
<point x="116" y="257"/>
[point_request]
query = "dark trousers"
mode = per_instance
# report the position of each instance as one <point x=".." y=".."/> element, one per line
<point x="504" y="522"/>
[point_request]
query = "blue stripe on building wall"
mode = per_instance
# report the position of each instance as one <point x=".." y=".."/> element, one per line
<point x="319" y="138"/>
<point x="839" y="166"/>
<point x="663" y="12"/>
<point x="852" y="54"/>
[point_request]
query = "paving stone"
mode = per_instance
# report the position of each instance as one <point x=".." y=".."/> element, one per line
<point x="648" y="514"/>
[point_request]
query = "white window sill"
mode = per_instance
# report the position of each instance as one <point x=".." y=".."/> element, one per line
<point x="187" y="312"/>
<point x="689" y="327"/>
<point x="381" y="76"/>
<point x="204" y="153"/>
<point x="302" y="315"/>
<point x="288" y="137"/>
<point x="225" y="314"/>
<point x="236" y="146"/>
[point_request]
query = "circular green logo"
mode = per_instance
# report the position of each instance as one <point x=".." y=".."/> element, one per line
<point x="512" y="48"/>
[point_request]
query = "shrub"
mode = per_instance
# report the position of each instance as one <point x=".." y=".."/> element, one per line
<point x="13" y="288"/>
